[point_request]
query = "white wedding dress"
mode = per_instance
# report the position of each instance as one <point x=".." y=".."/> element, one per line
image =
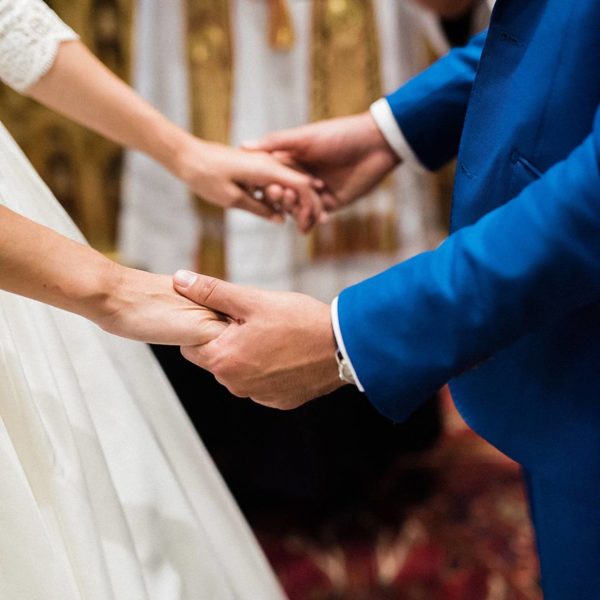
<point x="106" y="493"/>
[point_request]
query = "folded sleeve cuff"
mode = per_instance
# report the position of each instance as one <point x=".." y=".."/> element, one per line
<point x="385" y="120"/>
<point x="30" y="36"/>
<point x="340" y="342"/>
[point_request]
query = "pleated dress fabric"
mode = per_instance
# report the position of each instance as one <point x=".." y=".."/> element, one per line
<point x="106" y="492"/>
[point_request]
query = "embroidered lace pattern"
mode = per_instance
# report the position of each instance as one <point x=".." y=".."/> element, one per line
<point x="30" y="34"/>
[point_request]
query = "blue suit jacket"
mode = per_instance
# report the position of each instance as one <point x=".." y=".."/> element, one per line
<point x="508" y="308"/>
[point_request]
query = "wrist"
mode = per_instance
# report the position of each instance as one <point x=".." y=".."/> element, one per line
<point x="384" y="119"/>
<point x="330" y="377"/>
<point x="346" y="371"/>
<point x="87" y="291"/>
<point x="167" y="143"/>
<point x="189" y="161"/>
<point x="103" y="296"/>
<point x="375" y="139"/>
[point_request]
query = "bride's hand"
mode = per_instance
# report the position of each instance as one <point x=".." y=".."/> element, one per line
<point x="143" y="306"/>
<point x="226" y="177"/>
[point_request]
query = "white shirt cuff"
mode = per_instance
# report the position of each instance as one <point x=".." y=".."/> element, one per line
<point x="340" y="342"/>
<point x="385" y="120"/>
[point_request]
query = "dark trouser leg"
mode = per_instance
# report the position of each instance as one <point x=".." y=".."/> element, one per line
<point x="566" y="517"/>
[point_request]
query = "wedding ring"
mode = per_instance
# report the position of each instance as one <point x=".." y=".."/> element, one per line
<point x="258" y="194"/>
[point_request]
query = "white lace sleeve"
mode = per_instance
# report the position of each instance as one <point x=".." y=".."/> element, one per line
<point x="30" y="33"/>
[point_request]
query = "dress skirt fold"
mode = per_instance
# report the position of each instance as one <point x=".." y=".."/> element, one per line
<point x="106" y="491"/>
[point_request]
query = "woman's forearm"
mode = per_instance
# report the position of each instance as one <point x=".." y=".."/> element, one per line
<point x="41" y="264"/>
<point x="80" y="87"/>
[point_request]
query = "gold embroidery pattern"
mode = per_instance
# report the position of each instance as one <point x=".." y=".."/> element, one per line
<point x="210" y="56"/>
<point x="346" y="79"/>
<point x="82" y="169"/>
<point x="281" y="27"/>
<point x="345" y="58"/>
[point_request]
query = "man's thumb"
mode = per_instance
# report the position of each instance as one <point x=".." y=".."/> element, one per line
<point x="284" y="140"/>
<point x="213" y="293"/>
<point x="252" y="145"/>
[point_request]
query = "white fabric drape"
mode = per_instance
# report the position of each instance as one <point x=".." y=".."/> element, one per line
<point x="106" y="492"/>
<point x="158" y="224"/>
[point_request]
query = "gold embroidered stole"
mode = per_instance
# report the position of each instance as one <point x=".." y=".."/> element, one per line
<point x="210" y="55"/>
<point x="346" y="79"/>
<point x="281" y="27"/>
<point x="345" y="58"/>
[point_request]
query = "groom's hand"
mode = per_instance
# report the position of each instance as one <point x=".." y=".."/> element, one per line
<point x="349" y="154"/>
<point x="279" y="349"/>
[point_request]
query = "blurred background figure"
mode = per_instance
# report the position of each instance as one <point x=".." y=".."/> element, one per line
<point x="348" y="506"/>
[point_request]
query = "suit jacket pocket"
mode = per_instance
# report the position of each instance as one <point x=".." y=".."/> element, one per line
<point x="524" y="172"/>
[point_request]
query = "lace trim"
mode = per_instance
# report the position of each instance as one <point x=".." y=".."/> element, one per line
<point x="30" y="34"/>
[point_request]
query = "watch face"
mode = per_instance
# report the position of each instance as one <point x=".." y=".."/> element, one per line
<point x="344" y="371"/>
<point x="348" y="374"/>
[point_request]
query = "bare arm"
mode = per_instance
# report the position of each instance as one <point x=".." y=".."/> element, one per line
<point x="80" y="87"/>
<point x="39" y="263"/>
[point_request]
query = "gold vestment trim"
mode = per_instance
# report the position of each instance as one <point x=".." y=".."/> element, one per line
<point x="346" y="79"/>
<point x="210" y="54"/>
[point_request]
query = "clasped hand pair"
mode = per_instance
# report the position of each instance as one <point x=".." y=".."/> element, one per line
<point x="278" y="348"/>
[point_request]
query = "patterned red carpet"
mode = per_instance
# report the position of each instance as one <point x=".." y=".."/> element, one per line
<point x="467" y="538"/>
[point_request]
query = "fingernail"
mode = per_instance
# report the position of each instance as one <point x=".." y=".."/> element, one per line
<point x="185" y="279"/>
<point x="251" y="144"/>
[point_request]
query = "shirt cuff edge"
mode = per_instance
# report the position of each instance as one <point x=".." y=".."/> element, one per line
<point x="384" y="118"/>
<point x="337" y="331"/>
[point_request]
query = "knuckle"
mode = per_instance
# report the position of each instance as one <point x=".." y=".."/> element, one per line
<point x="236" y="197"/>
<point x="190" y="353"/>
<point x="218" y="368"/>
<point x="220" y="365"/>
<point x="265" y="401"/>
<point x="209" y="287"/>
<point x="237" y="391"/>
<point x="274" y="192"/>
<point x="304" y="179"/>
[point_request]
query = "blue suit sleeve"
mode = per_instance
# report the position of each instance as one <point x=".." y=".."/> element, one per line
<point x="430" y="109"/>
<point x="535" y="259"/>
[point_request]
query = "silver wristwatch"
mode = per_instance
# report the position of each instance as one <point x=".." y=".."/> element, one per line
<point x="344" y="370"/>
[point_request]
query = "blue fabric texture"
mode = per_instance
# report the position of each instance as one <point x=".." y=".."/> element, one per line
<point x="508" y="308"/>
